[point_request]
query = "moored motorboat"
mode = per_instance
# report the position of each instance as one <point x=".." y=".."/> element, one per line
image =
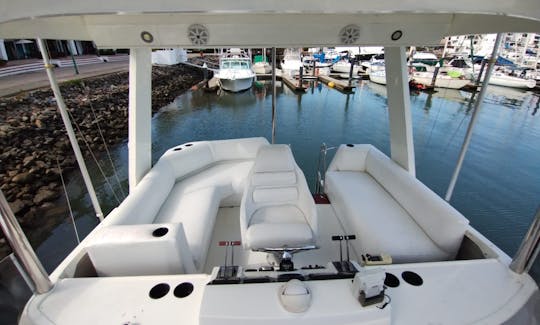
<point x="504" y="80"/>
<point x="235" y="73"/>
<point x="442" y="81"/>
<point x="378" y="77"/>
<point x="344" y="66"/>
<point x="291" y="62"/>
<point x="261" y="66"/>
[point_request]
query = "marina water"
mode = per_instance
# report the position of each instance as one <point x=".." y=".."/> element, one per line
<point x="498" y="189"/>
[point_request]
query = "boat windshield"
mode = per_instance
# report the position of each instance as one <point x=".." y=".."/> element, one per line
<point x="235" y="64"/>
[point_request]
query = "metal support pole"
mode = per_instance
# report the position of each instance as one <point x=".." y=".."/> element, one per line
<point x="22" y="248"/>
<point x="73" y="60"/>
<point x="529" y="248"/>
<point x="482" y="67"/>
<point x="434" y="79"/>
<point x="474" y="118"/>
<point x="351" y="71"/>
<point x="67" y="123"/>
<point x="301" y="77"/>
<point x="273" y="95"/>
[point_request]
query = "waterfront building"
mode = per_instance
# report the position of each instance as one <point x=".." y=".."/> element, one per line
<point x="20" y="49"/>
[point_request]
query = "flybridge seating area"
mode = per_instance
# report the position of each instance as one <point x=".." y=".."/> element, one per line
<point x="210" y="235"/>
<point x="191" y="200"/>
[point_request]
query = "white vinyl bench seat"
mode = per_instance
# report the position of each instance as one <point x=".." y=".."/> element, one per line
<point x="188" y="185"/>
<point x="389" y="210"/>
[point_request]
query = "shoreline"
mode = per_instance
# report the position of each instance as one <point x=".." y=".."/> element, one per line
<point x="35" y="142"/>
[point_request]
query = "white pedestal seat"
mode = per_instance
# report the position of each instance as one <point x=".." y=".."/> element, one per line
<point x="277" y="209"/>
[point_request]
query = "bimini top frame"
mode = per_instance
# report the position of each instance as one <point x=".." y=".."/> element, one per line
<point x="259" y="23"/>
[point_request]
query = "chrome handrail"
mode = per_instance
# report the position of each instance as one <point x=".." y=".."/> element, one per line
<point x="529" y="248"/>
<point x="22" y="248"/>
<point x="321" y="167"/>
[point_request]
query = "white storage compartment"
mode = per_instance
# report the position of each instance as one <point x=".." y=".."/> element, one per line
<point x="148" y="249"/>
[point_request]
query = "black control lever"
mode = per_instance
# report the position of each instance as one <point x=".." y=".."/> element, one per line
<point x="347" y="238"/>
<point x="227" y="271"/>
<point x="340" y="238"/>
<point x="344" y="266"/>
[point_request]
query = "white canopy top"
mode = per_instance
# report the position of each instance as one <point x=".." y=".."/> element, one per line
<point x="119" y="23"/>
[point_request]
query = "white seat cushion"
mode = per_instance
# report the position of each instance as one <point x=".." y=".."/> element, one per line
<point x="278" y="214"/>
<point x="441" y="222"/>
<point x="285" y="223"/>
<point x="380" y="223"/>
<point x="266" y="235"/>
<point x="197" y="211"/>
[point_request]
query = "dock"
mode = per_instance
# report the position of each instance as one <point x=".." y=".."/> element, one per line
<point x="344" y="86"/>
<point x="294" y="84"/>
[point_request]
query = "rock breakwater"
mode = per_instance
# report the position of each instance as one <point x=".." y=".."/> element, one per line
<point x="34" y="141"/>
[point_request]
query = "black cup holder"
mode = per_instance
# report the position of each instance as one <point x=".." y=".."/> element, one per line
<point x="391" y="280"/>
<point x="412" y="278"/>
<point x="159" y="290"/>
<point x="177" y="149"/>
<point x="189" y="144"/>
<point x="350" y="145"/>
<point x="160" y="232"/>
<point x="183" y="290"/>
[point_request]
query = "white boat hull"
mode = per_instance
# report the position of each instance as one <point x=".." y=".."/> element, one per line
<point x="378" y="78"/>
<point x="261" y="68"/>
<point x="441" y="82"/>
<point x="512" y="82"/>
<point x="345" y="68"/>
<point x="236" y="85"/>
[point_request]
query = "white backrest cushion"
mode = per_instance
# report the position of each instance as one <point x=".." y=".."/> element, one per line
<point x="273" y="179"/>
<point x="144" y="202"/>
<point x="188" y="158"/>
<point x="275" y="195"/>
<point x="237" y="148"/>
<point x="351" y="159"/>
<point x="444" y="225"/>
<point x="274" y="158"/>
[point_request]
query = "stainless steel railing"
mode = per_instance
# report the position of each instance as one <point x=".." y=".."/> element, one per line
<point x="530" y="246"/>
<point x="321" y="167"/>
<point x="22" y="248"/>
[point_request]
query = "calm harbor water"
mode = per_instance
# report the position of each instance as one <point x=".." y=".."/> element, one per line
<point x="498" y="189"/>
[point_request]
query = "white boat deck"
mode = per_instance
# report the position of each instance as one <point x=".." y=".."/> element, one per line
<point x="100" y="286"/>
<point x="458" y="292"/>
